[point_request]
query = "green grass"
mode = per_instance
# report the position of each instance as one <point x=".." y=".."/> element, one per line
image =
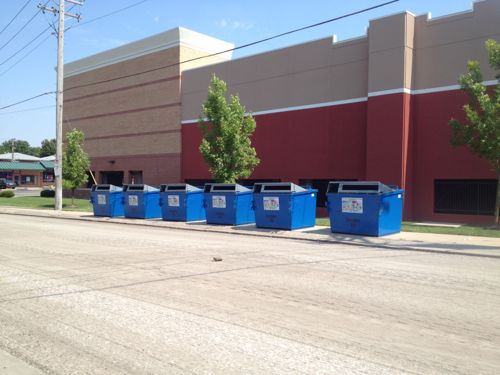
<point x="82" y="205"/>
<point x="463" y="230"/>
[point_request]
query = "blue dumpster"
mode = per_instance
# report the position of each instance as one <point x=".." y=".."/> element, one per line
<point x="228" y="204"/>
<point x="141" y="201"/>
<point x="181" y="202"/>
<point x="367" y="208"/>
<point x="284" y="205"/>
<point x="106" y="200"/>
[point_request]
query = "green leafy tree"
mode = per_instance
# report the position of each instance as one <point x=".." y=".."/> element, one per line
<point x="481" y="130"/>
<point x="20" y="146"/>
<point x="48" y="147"/>
<point x="75" y="162"/>
<point x="227" y="131"/>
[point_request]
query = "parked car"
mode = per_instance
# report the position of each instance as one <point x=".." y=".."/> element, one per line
<point x="7" y="184"/>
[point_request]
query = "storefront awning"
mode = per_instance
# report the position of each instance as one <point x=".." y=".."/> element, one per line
<point x="20" y="166"/>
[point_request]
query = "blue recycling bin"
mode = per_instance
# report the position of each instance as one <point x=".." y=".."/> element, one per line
<point x="181" y="202"/>
<point x="364" y="208"/>
<point x="284" y="205"/>
<point x="229" y="204"/>
<point x="141" y="201"/>
<point x="106" y="200"/>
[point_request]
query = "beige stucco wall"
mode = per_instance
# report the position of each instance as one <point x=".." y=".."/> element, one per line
<point x="444" y="45"/>
<point x="310" y="73"/>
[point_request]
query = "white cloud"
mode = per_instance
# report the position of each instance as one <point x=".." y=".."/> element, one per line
<point x="234" y="25"/>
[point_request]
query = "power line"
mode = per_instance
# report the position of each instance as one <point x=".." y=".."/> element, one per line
<point x="236" y="48"/>
<point x="28" y="99"/>
<point x="17" y="14"/>
<point x="22" y="28"/>
<point x="25" y="46"/>
<point x="25" y="56"/>
<point x="107" y="15"/>
<point x="28" y="110"/>
<point x="51" y="25"/>
<point x="213" y="54"/>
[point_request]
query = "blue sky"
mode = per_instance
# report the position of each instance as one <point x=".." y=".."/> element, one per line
<point x="235" y="21"/>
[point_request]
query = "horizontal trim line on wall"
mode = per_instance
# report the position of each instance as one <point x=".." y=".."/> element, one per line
<point x="300" y="107"/>
<point x="357" y="100"/>
<point x="158" y="132"/>
<point x="130" y="87"/>
<point x="152" y="156"/>
<point x="143" y="109"/>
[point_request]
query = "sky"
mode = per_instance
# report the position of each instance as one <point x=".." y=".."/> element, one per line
<point x="31" y="71"/>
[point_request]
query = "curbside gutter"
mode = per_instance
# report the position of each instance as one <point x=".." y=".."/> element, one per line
<point x="419" y="242"/>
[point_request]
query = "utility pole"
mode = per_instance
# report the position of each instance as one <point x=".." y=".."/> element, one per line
<point x="60" y="90"/>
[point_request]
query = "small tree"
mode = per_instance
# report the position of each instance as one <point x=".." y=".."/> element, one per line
<point x="481" y="131"/>
<point x="226" y="145"/>
<point x="75" y="162"/>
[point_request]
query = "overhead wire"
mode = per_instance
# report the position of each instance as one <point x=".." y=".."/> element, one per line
<point x="213" y="54"/>
<point x="51" y="25"/>
<point x="28" y="99"/>
<point x="106" y="15"/>
<point x="25" y="56"/>
<point x="28" y="110"/>
<point x="22" y="28"/>
<point x="14" y="18"/>
<point x="24" y="47"/>
<point x="234" y="48"/>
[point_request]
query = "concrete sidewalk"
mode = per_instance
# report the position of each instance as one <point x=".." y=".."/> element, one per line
<point x="439" y="243"/>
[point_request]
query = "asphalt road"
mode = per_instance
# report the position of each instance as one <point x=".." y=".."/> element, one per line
<point x="98" y="298"/>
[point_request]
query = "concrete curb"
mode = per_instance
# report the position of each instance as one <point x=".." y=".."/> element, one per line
<point x="439" y="244"/>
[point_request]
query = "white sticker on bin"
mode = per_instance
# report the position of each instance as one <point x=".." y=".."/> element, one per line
<point x="101" y="199"/>
<point x="271" y="203"/>
<point x="133" y="200"/>
<point x="173" y="201"/>
<point x="352" y="205"/>
<point x="218" y="201"/>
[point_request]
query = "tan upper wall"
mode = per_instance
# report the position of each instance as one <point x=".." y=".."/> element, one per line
<point x="401" y="51"/>
<point x="391" y="52"/>
<point x="315" y="72"/>
<point x="445" y="44"/>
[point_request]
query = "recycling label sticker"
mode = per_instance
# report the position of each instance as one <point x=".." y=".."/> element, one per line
<point x="173" y="201"/>
<point x="218" y="201"/>
<point x="133" y="200"/>
<point x="352" y="205"/>
<point x="101" y="199"/>
<point x="271" y="203"/>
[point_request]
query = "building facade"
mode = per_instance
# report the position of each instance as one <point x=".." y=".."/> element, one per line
<point x="371" y="108"/>
<point x="27" y="170"/>
<point x="131" y="119"/>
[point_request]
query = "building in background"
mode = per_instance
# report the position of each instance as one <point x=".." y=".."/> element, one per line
<point x="374" y="107"/>
<point x="26" y="170"/>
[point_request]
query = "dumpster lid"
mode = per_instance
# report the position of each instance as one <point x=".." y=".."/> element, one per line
<point x="178" y="187"/>
<point x="138" y="187"/>
<point x="277" y="187"/>
<point x="106" y="187"/>
<point x="224" y="188"/>
<point x="359" y="187"/>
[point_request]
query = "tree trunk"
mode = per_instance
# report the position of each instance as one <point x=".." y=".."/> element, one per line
<point x="73" y="197"/>
<point x="497" y="201"/>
